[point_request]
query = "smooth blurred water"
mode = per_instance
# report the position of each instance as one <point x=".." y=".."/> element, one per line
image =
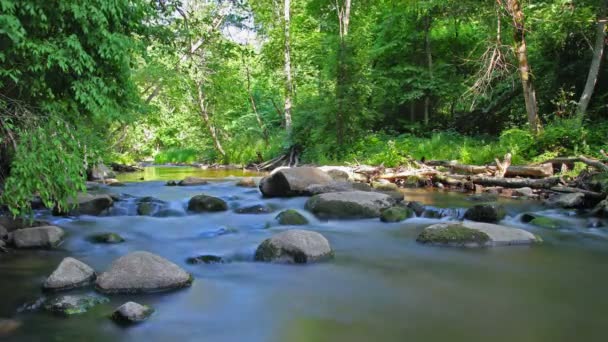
<point x="381" y="286"/>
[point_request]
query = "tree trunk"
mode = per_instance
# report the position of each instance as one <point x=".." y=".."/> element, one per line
<point x="253" y="106"/>
<point x="342" y="72"/>
<point x="596" y="62"/>
<point x="514" y="8"/>
<point x="429" y="59"/>
<point x="203" y="109"/>
<point x="288" y="79"/>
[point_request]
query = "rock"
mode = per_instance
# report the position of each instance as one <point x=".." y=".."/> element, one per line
<point x="38" y="237"/>
<point x="439" y="213"/>
<point x="74" y="304"/>
<point x="88" y="204"/>
<point x="255" y="209"/>
<point x="338" y="175"/>
<point x="524" y="192"/>
<point x="594" y="223"/>
<point x="396" y="196"/>
<point x="11" y="224"/>
<point x="70" y="273"/>
<point x="247" y="182"/>
<point x="385" y="186"/>
<point x="289" y="182"/>
<point x="8" y="326"/>
<point x="543" y="221"/>
<point x="205" y="259"/>
<point x="417" y="207"/>
<point x="125" y="168"/>
<point x="291" y="217"/>
<point x="396" y="214"/>
<point x="3" y="232"/>
<point x="316" y="189"/>
<point x="294" y="246"/>
<point x="132" y="312"/>
<point x="168" y="212"/>
<point x="204" y="203"/>
<point x="192" y="181"/>
<point x="350" y="205"/>
<point x="601" y="209"/>
<point x="475" y="234"/>
<point x="100" y="172"/>
<point x="567" y="201"/>
<point x="142" y="272"/>
<point x="489" y="213"/>
<point x="149" y="206"/>
<point x="109" y="238"/>
<point x="171" y="183"/>
<point x="3" y="246"/>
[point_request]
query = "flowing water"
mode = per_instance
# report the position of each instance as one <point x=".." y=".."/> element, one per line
<point x="381" y="286"/>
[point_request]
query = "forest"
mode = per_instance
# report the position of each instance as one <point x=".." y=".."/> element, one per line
<point x="241" y="82"/>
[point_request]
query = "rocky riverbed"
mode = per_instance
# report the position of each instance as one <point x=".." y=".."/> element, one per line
<point x="220" y="261"/>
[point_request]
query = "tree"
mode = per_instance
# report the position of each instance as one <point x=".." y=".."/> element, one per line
<point x="342" y="72"/>
<point x="288" y="80"/>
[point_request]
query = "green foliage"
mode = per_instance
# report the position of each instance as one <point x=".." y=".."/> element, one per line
<point x="177" y="155"/>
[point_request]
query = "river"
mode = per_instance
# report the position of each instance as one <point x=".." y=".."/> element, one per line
<point x="381" y="286"/>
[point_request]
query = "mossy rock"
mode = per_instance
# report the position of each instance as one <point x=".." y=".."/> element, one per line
<point x="255" y="209"/>
<point x="204" y="203"/>
<point x="489" y="213"/>
<point x="107" y="238"/>
<point x="385" y="186"/>
<point x="74" y="304"/>
<point x="453" y="235"/>
<point x="291" y="217"/>
<point x="396" y="214"/>
<point x="205" y="259"/>
<point x="546" y="222"/>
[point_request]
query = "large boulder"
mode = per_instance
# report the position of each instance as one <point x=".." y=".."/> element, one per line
<point x="288" y="182"/>
<point x="349" y="205"/>
<point x="89" y="204"/>
<point x="70" y="273"/>
<point x="192" y="181"/>
<point x="142" y="272"/>
<point x="475" y="234"/>
<point x="132" y="312"/>
<point x="294" y="246"/>
<point x="291" y="217"/>
<point x="489" y="213"/>
<point x="343" y="173"/>
<point x="73" y="304"/>
<point x="567" y="201"/>
<point x="396" y="214"/>
<point x="38" y="237"/>
<point x="204" y="203"/>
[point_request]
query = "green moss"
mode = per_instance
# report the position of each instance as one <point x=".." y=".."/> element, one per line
<point x="546" y="222"/>
<point x="490" y="213"/>
<point x="453" y="235"/>
<point x="291" y="217"/>
<point x="267" y="251"/>
<point x="396" y="214"/>
<point x="73" y="305"/>
<point x="107" y="238"/>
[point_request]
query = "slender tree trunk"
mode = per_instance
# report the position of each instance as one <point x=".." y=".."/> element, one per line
<point x="429" y="60"/>
<point x="253" y="106"/>
<point x="288" y="78"/>
<point x="596" y="62"/>
<point x="342" y="72"/>
<point x="514" y="8"/>
<point x="413" y="111"/>
<point x="204" y="112"/>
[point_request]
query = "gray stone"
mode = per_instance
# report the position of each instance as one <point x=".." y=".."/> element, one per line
<point x="205" y="259"/>
<point x="291" y="217"/>
<point x="247" y="182"/>
<point x="10" y="223"/>
<point x="567" y="201"/>
<point x="489" y="213"/>
<point x="101" y="172"/>
<point x="3" y="232"/>
<point x="601" y="209"/>
<point x="349" y="205"/>
<point x="204" y="203"/>
<point x="132" y="312"/>
<point x="88" y="204"/>
<point x="316" y="189"/>
<point x="74" y="304"/>
<point x="255" y="209"/>
<point x="109" y="238"/>
<point x="396" y="214"/>
<point x="38" y="237"/>
<point x="294" y="246"/>
<point x="524" y="192"/>
<point x="192" y="181"/>
<point x="475" y="234"/>
<point x="385" y="186"/>
<point x="70" y="273"/>
<point x="288" y="182"/>
<point x="142" y="272"/>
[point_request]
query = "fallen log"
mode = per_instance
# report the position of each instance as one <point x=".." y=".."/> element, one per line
<point x="582" y="159"/>
<point x="408" y="174"/>
<point x="540" y="171"/>
<point x="570" y="190"/>
<point x="545" y="183"/>
<point x="535" y="171"/>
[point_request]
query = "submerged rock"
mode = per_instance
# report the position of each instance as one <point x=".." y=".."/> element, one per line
<point x="74" y="304"/>
<point x="171" y="183"/>
<point x="192" y="181"/>
<point x="417" y="207"/>
<point x="475" y="234"/>
<point x="247" y="182"/>
<point x="38" y="237"/>
<point x="142" y="272"/>
<point x="294" y="246"/>
<point x="489" y="213"/>
<point x="291" y="217"/>
<point x="396" y="214"/>
<point x="543" y="221"/>
<point x="132" y="312"/>
<point x="70" y="273"/>
<point x="567" y="201"/>
<point x="149" y="206"/>
<point x="349" y="205"/>
<point x="168" y="212"/>
<point x="205" y="259"/>
<point x="255" y="209"/>
<point x="204" y="203"/>
<point x="8" y="326"/>
<point x="288" y="182"/>
<point x="107" y="238"/>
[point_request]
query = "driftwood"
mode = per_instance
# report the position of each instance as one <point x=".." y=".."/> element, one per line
<point x="545" y="183"/>
<point x="582" y="159"/>
<point x="502" y="166"/>
<point x="587" y="193"/>
<point x="408" y="174"/>
<point x="536" y="171"/>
